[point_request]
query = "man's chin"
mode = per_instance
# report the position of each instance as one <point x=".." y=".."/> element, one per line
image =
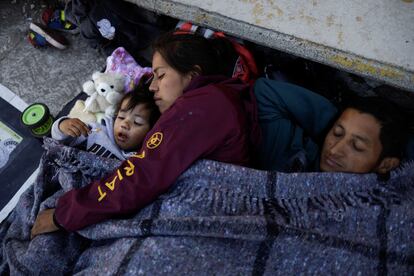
<point x="322" y="168"/>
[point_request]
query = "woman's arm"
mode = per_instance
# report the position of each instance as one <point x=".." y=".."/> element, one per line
<point x="194" y="128"/>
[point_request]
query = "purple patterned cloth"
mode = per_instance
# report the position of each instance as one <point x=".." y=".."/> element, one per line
<point x="120" y="61"/>
<point x="221" y="219"/>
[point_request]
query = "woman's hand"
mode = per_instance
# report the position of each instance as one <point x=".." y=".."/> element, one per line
<point x="74" y="127"/>
<point x="44" y="223"/>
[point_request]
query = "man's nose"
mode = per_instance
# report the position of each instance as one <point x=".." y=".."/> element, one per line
<point x="337" y="148"/>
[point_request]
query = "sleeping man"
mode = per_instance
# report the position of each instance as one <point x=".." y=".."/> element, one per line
<point x="368" y="136"/>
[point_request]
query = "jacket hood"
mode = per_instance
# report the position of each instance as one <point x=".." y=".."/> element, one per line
<point x="201" y="81"/>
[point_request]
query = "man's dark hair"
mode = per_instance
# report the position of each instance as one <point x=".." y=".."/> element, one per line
<point x="141" y="95"/>
<point x="394" y="130"/>
<point x="185" y="51"/>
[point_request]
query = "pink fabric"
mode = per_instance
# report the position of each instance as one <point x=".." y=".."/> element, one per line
<point x="120" y="61"/>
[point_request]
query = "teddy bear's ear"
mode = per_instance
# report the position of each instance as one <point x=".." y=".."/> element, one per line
<point x="96" y="75"/>
<point x="119" y="82"/>
<point x="119" y="77"/>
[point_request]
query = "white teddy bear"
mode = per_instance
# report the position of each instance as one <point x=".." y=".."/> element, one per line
<point x="105" y="91"/>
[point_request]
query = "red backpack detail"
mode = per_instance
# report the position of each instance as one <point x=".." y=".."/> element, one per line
<point x="245" y="67"/>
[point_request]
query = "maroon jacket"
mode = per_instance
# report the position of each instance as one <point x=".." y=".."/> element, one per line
<point x="209" y="121"/>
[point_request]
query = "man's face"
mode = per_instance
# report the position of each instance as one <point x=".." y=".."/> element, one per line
<point x="353" y="144"/>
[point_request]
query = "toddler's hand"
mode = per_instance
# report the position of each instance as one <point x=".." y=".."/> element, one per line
<point x="74" y="127"/>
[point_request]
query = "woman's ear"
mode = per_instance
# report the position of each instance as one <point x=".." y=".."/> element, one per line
<point x="387" y="164"/>
<point x="196" y="72"/>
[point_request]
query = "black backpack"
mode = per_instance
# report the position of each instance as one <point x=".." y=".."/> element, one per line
<point x="135" y="28"/>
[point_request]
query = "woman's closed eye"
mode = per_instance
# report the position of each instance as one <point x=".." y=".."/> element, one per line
<point x="357" y="147"/>
<point x="161" y="76"/>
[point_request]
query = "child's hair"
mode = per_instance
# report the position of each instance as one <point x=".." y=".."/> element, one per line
<point x="187" y="52"/>
<point x="141" y="95"/>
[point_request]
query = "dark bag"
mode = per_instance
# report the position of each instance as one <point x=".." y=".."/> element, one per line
<point x="128" y="26"/>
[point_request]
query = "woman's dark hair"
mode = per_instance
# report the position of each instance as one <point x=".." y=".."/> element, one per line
<point x="186" y="53"/>
<point x="394" y="129"/>
<point x="141" y="95"/>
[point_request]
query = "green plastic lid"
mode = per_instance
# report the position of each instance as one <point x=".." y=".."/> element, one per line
<point x="45" y="128"/>
<point x="33" y="114"/>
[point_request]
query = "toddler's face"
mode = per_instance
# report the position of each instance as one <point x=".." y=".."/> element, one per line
<point x="131" y="126"/>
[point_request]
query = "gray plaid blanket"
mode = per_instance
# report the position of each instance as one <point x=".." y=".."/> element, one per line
<point x="221" y="219"/>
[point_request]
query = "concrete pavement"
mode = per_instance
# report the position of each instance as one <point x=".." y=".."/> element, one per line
<point x="46" y="75"/>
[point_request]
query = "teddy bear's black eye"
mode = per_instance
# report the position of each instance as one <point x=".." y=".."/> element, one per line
<point x="112" y="87"/>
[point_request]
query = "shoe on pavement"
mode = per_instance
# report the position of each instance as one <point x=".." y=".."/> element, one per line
<point x="37" y="40"/>
<point x="56" y="20"/>
<point x="37" y="31"/>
